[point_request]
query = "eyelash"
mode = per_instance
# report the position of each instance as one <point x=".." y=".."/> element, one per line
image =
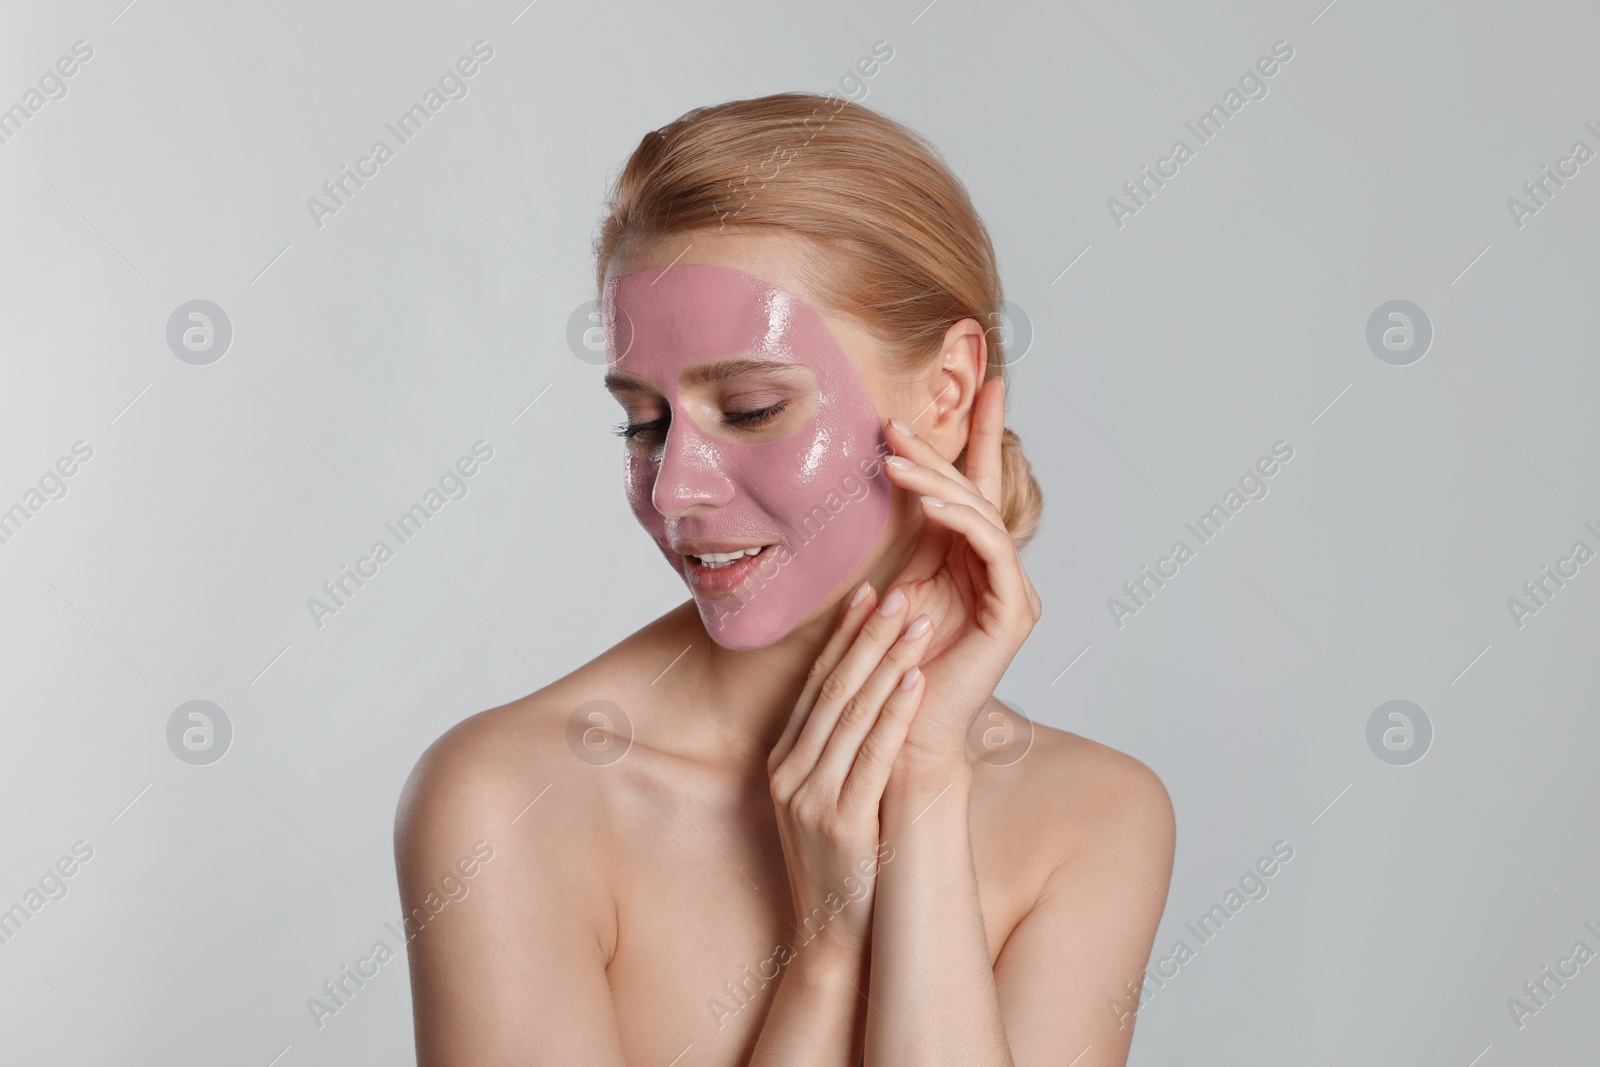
<point x="630" y="430"/>
<point x="747" y="419"/>
<point x="756" y="417"/>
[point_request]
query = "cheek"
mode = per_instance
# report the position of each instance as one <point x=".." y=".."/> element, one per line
<point x="638" y="481"/>
<point x="845" y="433"/>
<point x="789" y="475"/>
<point x="822" y="467"/>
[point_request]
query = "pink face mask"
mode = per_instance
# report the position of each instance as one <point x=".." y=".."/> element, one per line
<point x="762" y="528"/>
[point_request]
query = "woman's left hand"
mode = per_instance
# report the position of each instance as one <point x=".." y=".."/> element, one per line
<point x="966" y="574"/>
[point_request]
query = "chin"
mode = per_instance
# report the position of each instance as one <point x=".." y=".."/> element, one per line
<point x="755" y="624"/>
<point x="741" y="636"/>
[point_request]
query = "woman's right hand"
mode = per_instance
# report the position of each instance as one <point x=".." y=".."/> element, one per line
<point x="828" y="770"/>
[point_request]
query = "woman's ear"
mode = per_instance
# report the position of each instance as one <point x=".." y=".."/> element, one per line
<point x="952" y="384"/>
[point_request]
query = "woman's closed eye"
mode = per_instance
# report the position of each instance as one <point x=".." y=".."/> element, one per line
<point x="754" y="418"/>
<point x="629" y="430"/>
<point x="644" y="410"/>
<point x="748" y="420"/>
<point x="749" y="401"/>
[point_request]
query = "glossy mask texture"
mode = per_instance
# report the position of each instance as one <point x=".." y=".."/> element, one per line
<point x="819" y="492"/>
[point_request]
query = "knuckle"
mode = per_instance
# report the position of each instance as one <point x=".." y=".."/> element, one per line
<point x="871" y="633"/>
<point x="880" y="628"/>
<point x="783" y="783"/>
<point x="856" y="711"/>
<point x="900" y="707"/>
<point x="873" y="749"/>
<point x="818" y="814"/>
<point x="833" y="689"/>
<point x="803" y="806"/>
<point x="781" y="795"/>
<point x="899" y="713"/>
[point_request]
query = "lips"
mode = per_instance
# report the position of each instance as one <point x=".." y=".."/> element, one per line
<point x="721" y="576"/>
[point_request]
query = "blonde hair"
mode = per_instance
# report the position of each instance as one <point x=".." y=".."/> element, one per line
<point x="899" y="247"/>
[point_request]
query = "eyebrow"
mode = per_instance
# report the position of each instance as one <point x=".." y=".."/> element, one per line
<point x="708" y="373"/>
<point x="625" y="383"/>
<point x="722" y="370"/>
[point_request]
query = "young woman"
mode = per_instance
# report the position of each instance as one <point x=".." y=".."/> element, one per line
<point x="771" y="826"/>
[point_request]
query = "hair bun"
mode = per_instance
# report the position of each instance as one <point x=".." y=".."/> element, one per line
<point x="1021" y="501"/>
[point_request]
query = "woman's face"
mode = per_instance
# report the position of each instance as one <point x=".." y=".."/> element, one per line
<point x="754" y="447"/>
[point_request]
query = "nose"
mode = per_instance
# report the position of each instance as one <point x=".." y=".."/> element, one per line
<point x="692" y="474"/>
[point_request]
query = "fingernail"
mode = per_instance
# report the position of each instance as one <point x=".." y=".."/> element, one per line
<point x="892" y="603"/>
<point x="933" y="501"/>
<point x="900" y="463"/>
<point x="861" y="593"/>
<point x="901" y="427"/>
<point x="918" y="627"/>
<point x="911" y="676"/>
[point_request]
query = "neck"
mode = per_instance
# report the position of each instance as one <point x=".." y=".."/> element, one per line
<point x="743" y="700"/>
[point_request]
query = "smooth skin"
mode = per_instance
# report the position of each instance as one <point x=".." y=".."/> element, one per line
<point x="798" y="860"/>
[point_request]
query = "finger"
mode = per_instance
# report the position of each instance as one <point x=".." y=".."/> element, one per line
<point x="850" y="623"/>
<point x="983" y="464"/>
<point x="869" y="776"/>
<point x="931" y="481"/>
<point x="878" y="633"/>
<point x="927" y="557"/>
<point x="855" y="616"/>
<point x="1033" y="595"/>
<point x="906" y="443"/>
<point x="1028" y="590"/>
<point x="861" y="711"/>
<point x="992" y="544"/>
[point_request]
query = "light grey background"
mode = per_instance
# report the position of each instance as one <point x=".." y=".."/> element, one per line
<point x="370" y="353"/>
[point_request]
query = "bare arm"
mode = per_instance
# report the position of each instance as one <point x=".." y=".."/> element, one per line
<point x="936" y="998"/>
<point x="828" y="773"/>
<point x="1063" y="977"/>
<point x="933" y="993"/>
<point x="512" y="972"/>
<point x="815" y="1016"/>
<point x="1047" y="998"/>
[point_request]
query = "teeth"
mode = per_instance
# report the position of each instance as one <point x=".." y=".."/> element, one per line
<point x="722" y="559"/>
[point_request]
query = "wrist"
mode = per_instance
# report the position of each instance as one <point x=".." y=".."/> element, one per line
<point x="824" y="963"/>
<point x="917" y="781"/>
<point x="917" y="765"/>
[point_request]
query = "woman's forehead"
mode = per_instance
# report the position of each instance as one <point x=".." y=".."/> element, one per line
<point x="661" y="319"/>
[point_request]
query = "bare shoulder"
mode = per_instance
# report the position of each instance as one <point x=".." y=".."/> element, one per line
<point x="1106" y="785"/>
<point x="1082" y="808"/>
<point x="554" y="737"/>
<point x="541" y="770"/>
<point x="507" y="798"/>
<point x="474" y="773"/>
<point x="506" y="783"/>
